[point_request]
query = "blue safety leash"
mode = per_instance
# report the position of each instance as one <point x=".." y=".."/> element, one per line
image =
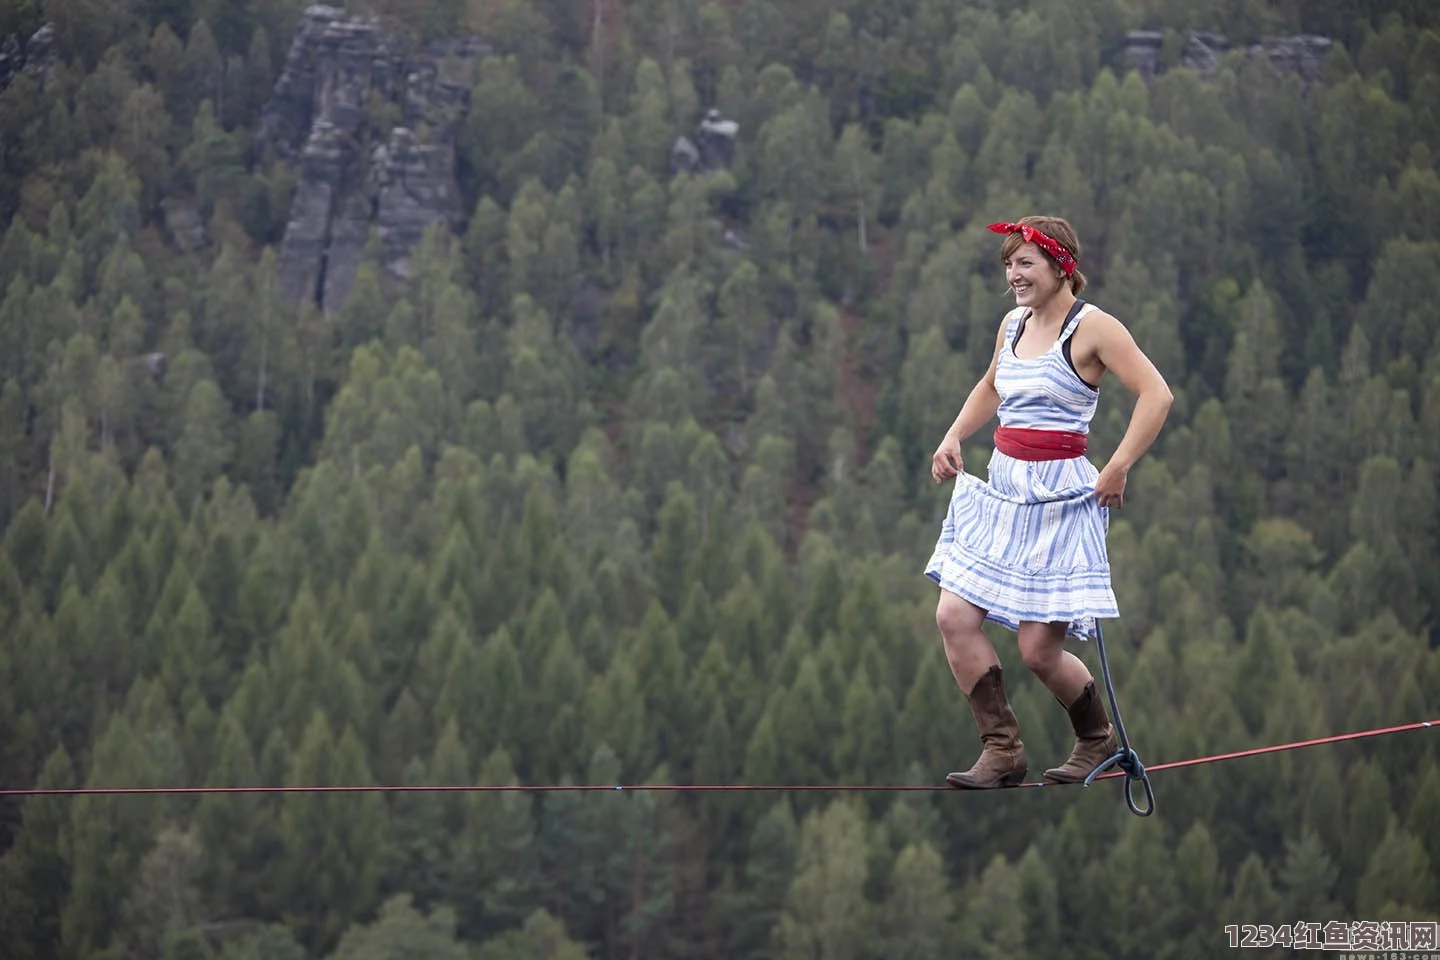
<point x="1126" y="758"/>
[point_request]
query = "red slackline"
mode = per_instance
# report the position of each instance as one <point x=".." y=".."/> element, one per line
<point x="678" y="787"/>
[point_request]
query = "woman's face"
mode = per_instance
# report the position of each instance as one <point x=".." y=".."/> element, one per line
<point x="1032" y="276"/>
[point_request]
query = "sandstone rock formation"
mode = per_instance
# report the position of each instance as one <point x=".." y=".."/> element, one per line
<point x="35" y="58"/>
<point x="372" y="123"/>
<point x="709" y="148"/>
<point x="1303" y="55"/>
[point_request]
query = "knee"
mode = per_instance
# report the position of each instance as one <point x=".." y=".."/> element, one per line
<point x="956" y="618"/>
<point x="1040" y="656"/>
<point x="945" y="619"/>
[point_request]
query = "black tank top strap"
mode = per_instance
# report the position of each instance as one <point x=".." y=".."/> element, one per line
<point x="1019" y="329"/>
<point x="1067" y="335"/>
<point x="1072" y="320"/>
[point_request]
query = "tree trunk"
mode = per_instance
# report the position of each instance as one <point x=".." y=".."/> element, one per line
<point x="50" y="483"/>
<point x="637" y="905"/>
<point x="596" y="23"/>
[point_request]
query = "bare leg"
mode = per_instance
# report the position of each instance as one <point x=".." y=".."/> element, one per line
<point x="1042" y="647"/>
<point x="968" y="650"/>
<point x="977" y="670"/>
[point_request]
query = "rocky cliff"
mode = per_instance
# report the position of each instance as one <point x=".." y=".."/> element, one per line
<point x="1303" y="55"/>
<point x="34" y="57"/>
<point x="371" y="120"/>
<point x="372" y="123"/>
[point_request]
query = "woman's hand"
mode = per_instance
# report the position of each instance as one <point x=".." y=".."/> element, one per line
<point x="947" y="462"/>
<point x="1110" y="485"/>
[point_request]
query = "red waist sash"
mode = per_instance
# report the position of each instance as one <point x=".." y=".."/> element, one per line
<point x="1023" y="443"/>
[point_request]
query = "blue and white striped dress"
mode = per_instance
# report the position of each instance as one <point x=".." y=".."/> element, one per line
<point x="1030" y="543"/>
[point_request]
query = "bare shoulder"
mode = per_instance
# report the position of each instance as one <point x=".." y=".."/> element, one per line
<point x="1100" y="332"/>
<point x="1005" y="322"/>
<point x="1101" y="325"/>
<point x="1104" y="344"/>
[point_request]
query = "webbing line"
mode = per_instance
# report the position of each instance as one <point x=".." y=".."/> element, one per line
<point x="680" y="787"/>
<point x="1125" y="758"/>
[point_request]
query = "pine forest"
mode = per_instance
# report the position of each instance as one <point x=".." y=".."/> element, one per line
<point x="543" y="392"/>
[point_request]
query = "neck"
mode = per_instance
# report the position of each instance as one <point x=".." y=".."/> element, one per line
<point x="1054" y="310"/>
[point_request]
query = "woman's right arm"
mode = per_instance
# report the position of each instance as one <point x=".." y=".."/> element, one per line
<point x="979" y="408"/>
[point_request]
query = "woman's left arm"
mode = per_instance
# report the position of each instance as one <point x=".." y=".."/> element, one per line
<point x="1122" y="356"/>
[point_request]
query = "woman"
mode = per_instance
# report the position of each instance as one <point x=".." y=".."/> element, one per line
<point x="1027" y="548"/>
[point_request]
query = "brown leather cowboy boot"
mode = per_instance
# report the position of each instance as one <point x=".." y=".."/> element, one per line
<point x="1095" y="740"/>
<point x="1002" y="762"/>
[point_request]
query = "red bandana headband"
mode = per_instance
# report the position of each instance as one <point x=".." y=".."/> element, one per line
<point x="1042" y="240"/>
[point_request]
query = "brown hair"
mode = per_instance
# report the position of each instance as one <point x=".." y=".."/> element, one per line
<point x="1058" y="228"/>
